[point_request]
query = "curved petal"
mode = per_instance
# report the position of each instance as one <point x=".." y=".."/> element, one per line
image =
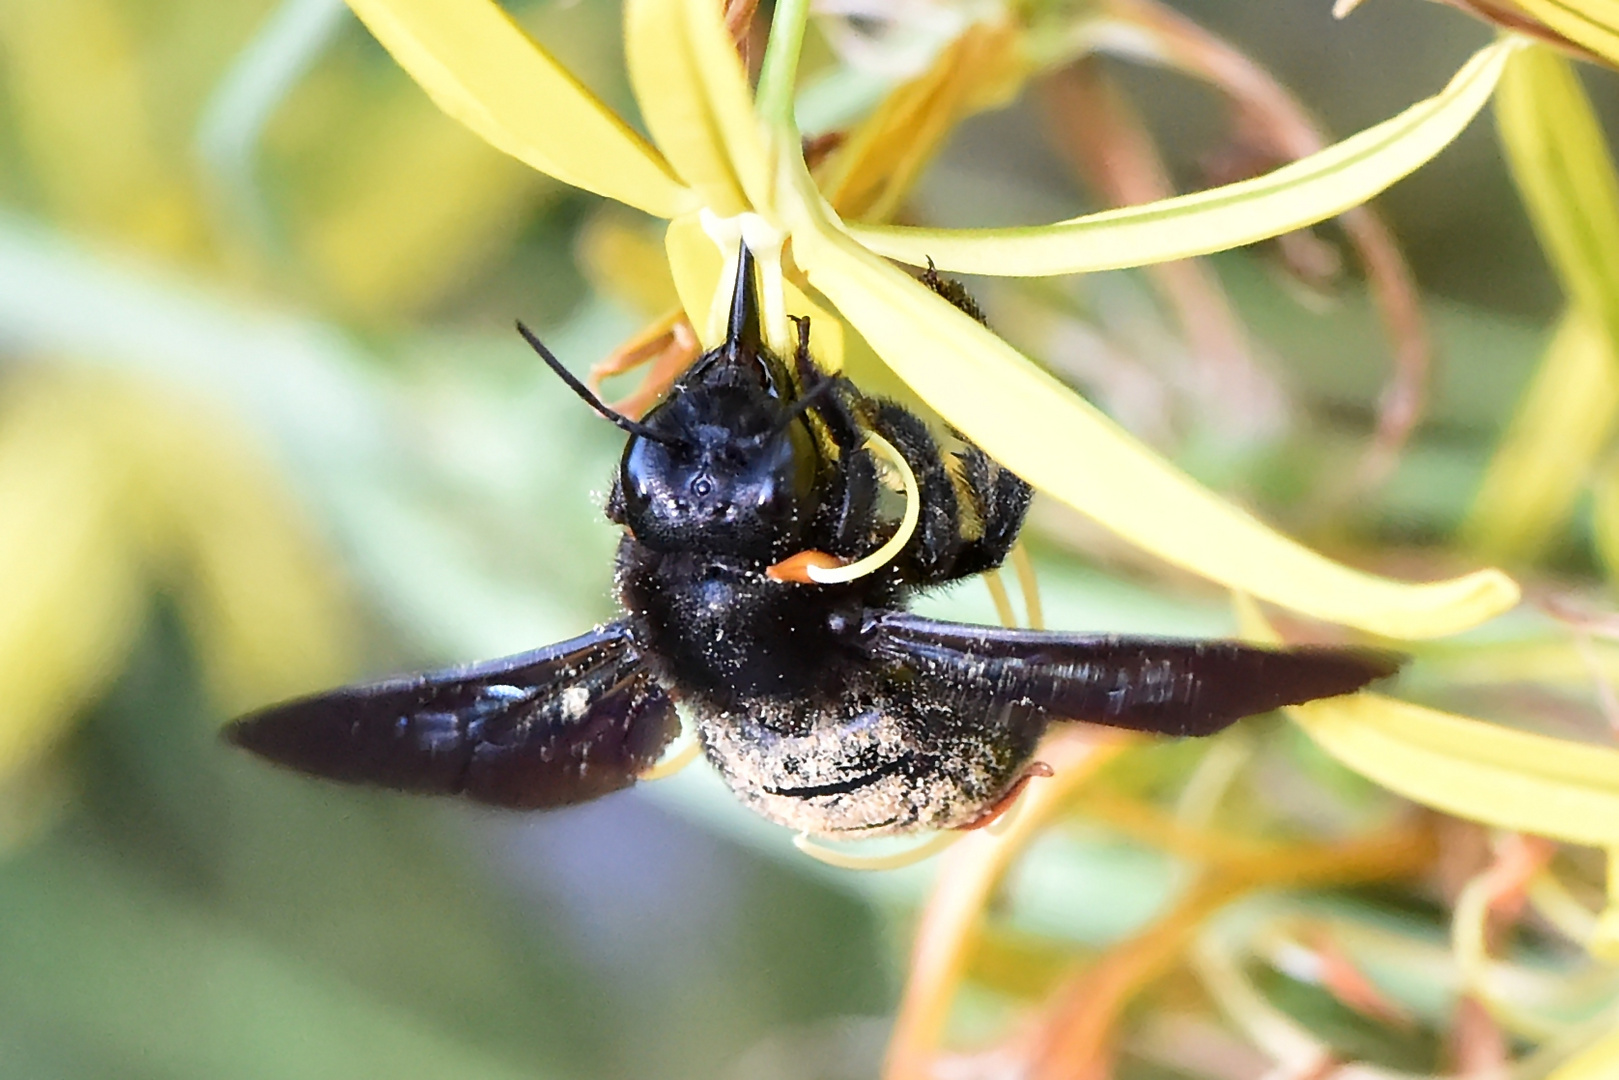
<point x="1483" y="772"/>
<point x="1559" y="159"/>
<point x="1510" y="779"/>
<point x="1566" y="177"/>
<point x="1309" y="190"/>
<point x="694" y="96"/>
<point x="482" y="69"/>
<point x="877" y="165"/>
<point x="1062" y="445"/>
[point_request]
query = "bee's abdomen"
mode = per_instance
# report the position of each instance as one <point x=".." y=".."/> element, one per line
<point x="873" y="768"/>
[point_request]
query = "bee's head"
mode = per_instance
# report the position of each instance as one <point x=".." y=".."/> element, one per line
<point x="726" y="464"/>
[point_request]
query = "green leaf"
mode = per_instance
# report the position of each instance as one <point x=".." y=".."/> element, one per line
<point x="481" y="68"/>
<point x="98" y="959"/>
<point x="1309" y="190"/>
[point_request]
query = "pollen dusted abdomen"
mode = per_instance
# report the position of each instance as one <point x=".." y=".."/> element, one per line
<point x="887" y="768"/>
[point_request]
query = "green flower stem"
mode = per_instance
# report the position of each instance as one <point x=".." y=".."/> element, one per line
<point x="779" y="71"/>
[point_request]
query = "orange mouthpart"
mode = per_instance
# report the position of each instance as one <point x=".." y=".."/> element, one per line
<point x="796" y="568"/>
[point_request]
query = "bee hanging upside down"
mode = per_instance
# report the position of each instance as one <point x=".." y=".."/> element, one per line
<point x="826" y="707"/>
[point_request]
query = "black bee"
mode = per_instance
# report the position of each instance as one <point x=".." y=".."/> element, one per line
<point x="826" y="708"/>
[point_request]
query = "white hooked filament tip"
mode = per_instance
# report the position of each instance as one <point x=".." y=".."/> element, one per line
<point x="845" y="860"/>
<point x="675" y="758"/>
<point x="837" y="575"/>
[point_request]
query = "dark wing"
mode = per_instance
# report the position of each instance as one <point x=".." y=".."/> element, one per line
<point x="1147" y="684"/>
<point x="554" y="726"/>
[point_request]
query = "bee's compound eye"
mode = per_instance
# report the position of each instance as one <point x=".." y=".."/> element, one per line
<point x="642" y="473"/>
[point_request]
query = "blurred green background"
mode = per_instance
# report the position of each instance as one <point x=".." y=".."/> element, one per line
<point x="264" y="427"/>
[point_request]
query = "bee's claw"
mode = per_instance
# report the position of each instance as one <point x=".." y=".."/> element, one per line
<point x="1005" y="803"/>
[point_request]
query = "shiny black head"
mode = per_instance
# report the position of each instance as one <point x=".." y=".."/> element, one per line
<point x="725" y="465"/>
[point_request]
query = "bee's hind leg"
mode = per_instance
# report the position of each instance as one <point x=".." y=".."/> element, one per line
<point x="997" y="498"/>
<point x="848" y="521"/>
<point x="1001" y="500"/>
<point x="998" y="810"/>
<point x="930" y="557"/>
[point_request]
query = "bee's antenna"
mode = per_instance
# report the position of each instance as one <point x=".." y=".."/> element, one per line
<point x="634" y="427"/>
<point x="743" y="336"/>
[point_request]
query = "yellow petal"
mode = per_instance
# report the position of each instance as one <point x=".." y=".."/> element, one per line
<point x="69" y="568"/>
<point x="1307" y="191"/>
<point x="1603" y="942"/>
<point x="1560" y="161"/>
<point x="1484" y="772"/>
<point x="1544" y="460"/>
<point x="79" y="106"/>
<point x="697" y="267"/>
<point x="694" y="96"/>
<point x="623" y="258"/>
<point x="1591" y="23"/>
<point x="1062" y="445"/>
<point x="877" y="165"/>
<point x="482" y="69"/>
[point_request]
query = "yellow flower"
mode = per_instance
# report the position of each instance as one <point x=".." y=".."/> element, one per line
<point x="729" y="166"/>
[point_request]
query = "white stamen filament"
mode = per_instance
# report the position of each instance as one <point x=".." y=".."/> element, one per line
<point x="997" y="594"/>
<point x="1029" y="583"/>
<point x="884" y="555"/>
<point x="844" y="860"/>
<point x="677" y="757"/>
